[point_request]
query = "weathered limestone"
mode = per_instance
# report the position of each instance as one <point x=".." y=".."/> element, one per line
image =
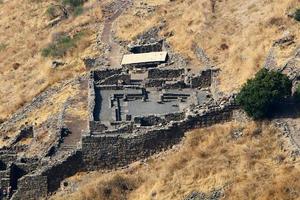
<point x="129" y="119"/>
<point x="150" y="47"/>
<point x="121" y="140"/>
<point x="31" y="187"/>
<point x="161" y="73"/>
<point x="202" y="80"/>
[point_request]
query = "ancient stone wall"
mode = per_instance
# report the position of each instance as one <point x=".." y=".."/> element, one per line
<point x="174" y="85"/>
<point x="202" y="80"/>
<point x="154" y="82"/>
<point x="121" y="129"/>
<point x="62" y="169"/>
<point x="156" y="73"/>
<point x="151" y="120"/>
<point x="108" y="151"/>
<point x="105" y="73"/>
<point x="25" y="132"/>
<point x="5" y="178"/>
<point x="31" y="187"/>
<point x="46" y="180"/>
<point x="91" y="98"/>
<point x="175" y="116"/>
<point x="115" y="79"/>
<point x="145" y="48"/>
<point x="97" y="126"/>
<point x="7" y="156"/>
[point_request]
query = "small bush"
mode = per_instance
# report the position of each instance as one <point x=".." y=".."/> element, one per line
<point x="73" y="3"/>
<point x="260" y="95"/>
<point x="78" y="10"/>
<point x="53" y="12"/>
<point x="2" y="46"/>
<point x="74" y="6"/>
<point x="61" y="46"/>
<point x="297" y="15"/>
<point x="297" y="94"/>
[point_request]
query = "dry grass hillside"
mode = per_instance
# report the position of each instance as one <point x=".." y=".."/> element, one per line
<point x="245" y="161"/>
<point x="252" y="166"/>
<point x="235" y="34"/>
<point x="24" y="32"/>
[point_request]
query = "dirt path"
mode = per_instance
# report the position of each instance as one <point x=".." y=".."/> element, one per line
<point x="76" y="125"/>
<point x="114" y="12"/>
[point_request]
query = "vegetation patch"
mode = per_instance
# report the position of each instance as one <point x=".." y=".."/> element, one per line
<point x="73" y="3"/>
<point x="297" y="15"/>
<point x="210" y="158"/>
<point x="53" y="11"/>
<point x="65" y="6"/>
<point x="260" y="95"/>
<point x="62" y="45"/>
<point x="297" y="94"/>
<point x="78" y="10"/>
<point x="74" y="6"/>
<point x="2" y="46"/>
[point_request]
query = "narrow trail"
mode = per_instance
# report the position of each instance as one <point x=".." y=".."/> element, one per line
<point x="115" y="54"/>
<point x="76" y="125"/>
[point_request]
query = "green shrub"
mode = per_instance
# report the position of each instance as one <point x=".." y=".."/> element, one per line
<point x="2" y="46"/>
<point x="61" y="46"/>
<point x="73" y="3"/>
<point x="260" y="95"/>
<point x="78" y="10"/>
<point x="297" y="15"/>
<point x="74" y="6"/>
<point x="297" y="94"/>
<point x="52" y="12"/>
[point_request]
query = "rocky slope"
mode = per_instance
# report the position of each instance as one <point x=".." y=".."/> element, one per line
<point x="238" y="160"/>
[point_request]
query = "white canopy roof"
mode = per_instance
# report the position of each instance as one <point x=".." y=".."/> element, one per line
<point x="144" y="58"/>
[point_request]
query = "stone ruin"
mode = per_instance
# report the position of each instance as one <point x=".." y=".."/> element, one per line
<point x="133" y="113"/>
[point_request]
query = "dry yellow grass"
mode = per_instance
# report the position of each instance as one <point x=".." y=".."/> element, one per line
<point x="248" y="29"/>
<point x="254" y="166"/>
<point x="40" y="115"/>
<point x="24" y="32"/>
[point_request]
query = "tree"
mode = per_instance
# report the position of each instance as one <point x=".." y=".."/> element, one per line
<point x="297" y="15"/>
<point x="260" y="95"/>
<point x="297" y="94"/>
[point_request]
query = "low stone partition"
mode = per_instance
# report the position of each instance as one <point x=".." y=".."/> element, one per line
<point x="204" y="79"/>
<point x="146" y="48"/>
<point x="208" y="118"/>
<point x="104" y="73"/>
<point x="174" y="85"/>
<point x="151" y="120"/>
<point x="91" y="98"/>
<point x="154" y="83"/>
<point x="175" y="116"/>
<point x="120" y="129"/>
<point x="115" y="79"/>
<point x="5" y="177"/>
<point x="97" y="126"/>
<point x="163" y="73"/>
<point x="7" y="156"/>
